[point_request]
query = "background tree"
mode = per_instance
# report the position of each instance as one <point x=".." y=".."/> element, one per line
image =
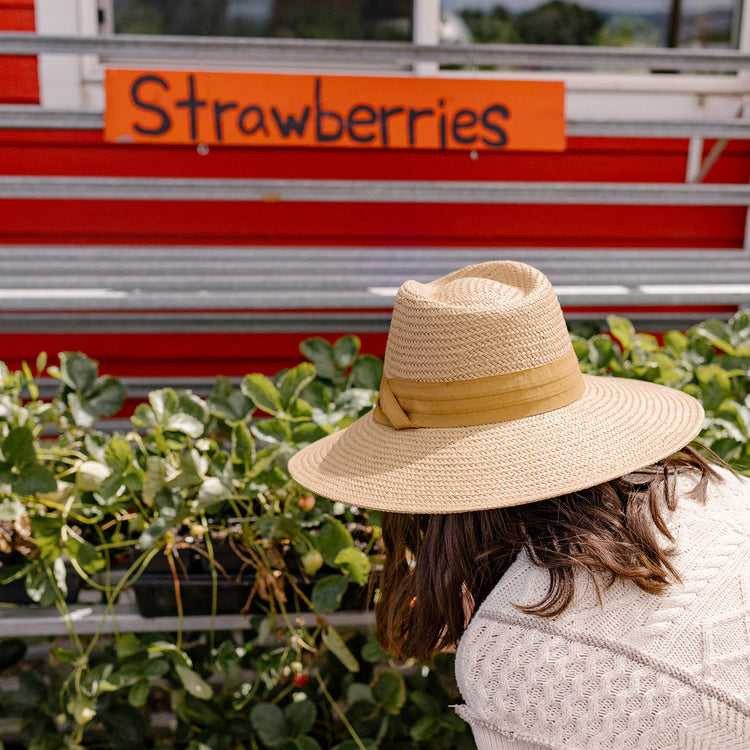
<point x="559" y="22"/>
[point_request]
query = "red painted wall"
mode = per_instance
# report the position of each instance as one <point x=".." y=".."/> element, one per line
<point x="19" y="81"/>
<point x="186" y="354"/>
<point x="374" y="224"/>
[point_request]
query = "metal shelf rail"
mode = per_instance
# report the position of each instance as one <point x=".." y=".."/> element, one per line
<point x="88" y="619"/>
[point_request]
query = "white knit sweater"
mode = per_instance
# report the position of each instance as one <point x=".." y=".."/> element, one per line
<point x="632" y="671"/>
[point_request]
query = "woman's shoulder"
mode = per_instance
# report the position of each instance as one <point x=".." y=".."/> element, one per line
<point x="727" y="502"/>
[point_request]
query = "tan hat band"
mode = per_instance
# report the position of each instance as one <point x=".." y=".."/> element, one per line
<point x="464" y="403"/>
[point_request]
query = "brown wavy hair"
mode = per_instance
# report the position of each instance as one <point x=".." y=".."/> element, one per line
<point x="439" y="568"/>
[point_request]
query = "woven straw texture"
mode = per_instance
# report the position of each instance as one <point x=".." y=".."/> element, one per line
<point x="491" y="319"/>
<point x="622" y="670"/>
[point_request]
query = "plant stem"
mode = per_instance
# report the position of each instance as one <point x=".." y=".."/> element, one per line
<point x="339" y="712"/>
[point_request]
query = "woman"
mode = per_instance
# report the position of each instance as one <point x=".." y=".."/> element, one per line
<point x="598" y="603"/>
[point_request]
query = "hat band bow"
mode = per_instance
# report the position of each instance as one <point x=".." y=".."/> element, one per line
<point x="463" y="403"/>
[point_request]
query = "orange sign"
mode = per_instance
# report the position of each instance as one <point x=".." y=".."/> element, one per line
<point x="253" y="109"/>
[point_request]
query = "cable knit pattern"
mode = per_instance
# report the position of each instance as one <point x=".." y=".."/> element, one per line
<point x="621" y="669"/>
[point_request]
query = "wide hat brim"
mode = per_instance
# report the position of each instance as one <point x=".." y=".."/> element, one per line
<point x="617" y="426"/>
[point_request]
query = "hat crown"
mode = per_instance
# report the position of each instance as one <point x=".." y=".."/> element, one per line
<point x="489" y="319"/>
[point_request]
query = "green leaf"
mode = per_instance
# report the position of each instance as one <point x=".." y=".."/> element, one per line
<point x="193" y="682"/>
<point x="91" y="475"/>
<point x="32" y="690"/>
<point x="354" y="562"/>
<point x="425" y="702"/>
<point x="156" y="475"/>
<point x="11" y="508"/>
<point x="272" y="431"/>
<point x="336" y="645"/>
<point x="318" y="395"/>
<point x="453" y="722"/>
<point x="41" y="363"/>
<point x="77" y="371"/>
<point x="602" y="352"/>
<point x="328" y="592"/>
<point x="352" y="745"/>
<point x="18" y="448"/>
<point x="128" y="644"/>
<point x="243" y="446"/>
<point x="372" y="652"/>
<point x="155" y="531"/>
<point x="717" y="333"/>
<point x="676" y="341"/>
<point x="345" y="351"/>
<point x="126" y="727"/>
<point x="713" y="374"/>
<point x="138" y="693"/>
<point x="367" y="372"/>
<point x="211" y="491"/>
<point x="389" y="690"/>
<point x="320" y="353"/>
<point x="300" y="717"/>
<point x="156" y="668"/>
<point x="234" y="408"/>
<point x="300" y="411"/>
<point x="164" y="402"/>
<point x="293" y="381"/>
<point x="425" y="728"/>
<point x="186" y="424"/>
<point x="333" y="538"/>
<point x="622" y="330"/>
<point x="270" y="724"/>
<point x="107" y="397"/>
<point x="308" y="432"/>
<point x="47" y="533"/>
<point x="262" y="392"/>
<point x="12" y="650"/>
<point x="305" y="742"/>
<point x="44" y="583"/>
<point x="35" y="478"/>
<point x="84" y="552"/>
<point x="193" y="405"/>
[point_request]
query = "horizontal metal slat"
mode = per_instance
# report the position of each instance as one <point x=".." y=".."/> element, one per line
<point x="196" y="49"/>
<point x="372" y="191"/>
<point x="32" y="117"/>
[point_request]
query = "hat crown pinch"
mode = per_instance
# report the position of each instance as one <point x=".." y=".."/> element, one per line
<point x="485" y="320"/>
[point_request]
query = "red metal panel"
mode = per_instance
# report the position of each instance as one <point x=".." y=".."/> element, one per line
<point x="586" y="159"/>
<point x="174" y="354"/>
<point x="387" y="225"/>
<point x="19" y="82"/>
<point x="591" y="159"/>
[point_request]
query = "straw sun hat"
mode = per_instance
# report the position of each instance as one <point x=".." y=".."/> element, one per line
<point x="483" y="405"/>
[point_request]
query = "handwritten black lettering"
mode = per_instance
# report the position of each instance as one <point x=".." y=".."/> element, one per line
<point x="321" y="114"/>
<point x="385" y="113"/>
<point x="219" y="109"/>
<point x="135" y="97"/>
<point x="193" y="104"/>
<point x="354" y="120"/>
<point x="502" y="136"/>
<point x="414" y="115"/>
<point x="291" y="123"/>
<point x="462" y="120"/>
<point x="260" y="120"/>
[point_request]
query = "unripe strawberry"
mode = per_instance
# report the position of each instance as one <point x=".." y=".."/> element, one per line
<point x="312" y="561"/>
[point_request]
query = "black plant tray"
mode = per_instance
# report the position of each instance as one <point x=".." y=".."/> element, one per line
<point x="14" y="592"/>
<point x="156" y="597"/>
